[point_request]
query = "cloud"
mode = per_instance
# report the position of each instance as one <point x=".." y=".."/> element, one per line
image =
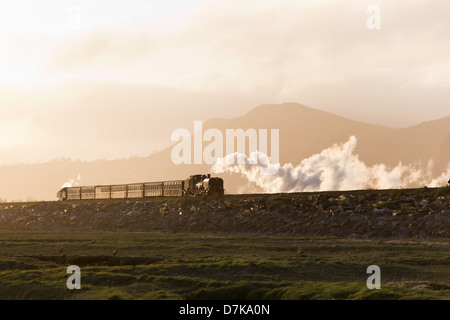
<point x="105" y="49"/>
<point x="289" y="50"/>
<point x="335" y="168"/>
<point x="220" y="60"/>
<point x="298" y="42"/>
<point x="103" y="119"/>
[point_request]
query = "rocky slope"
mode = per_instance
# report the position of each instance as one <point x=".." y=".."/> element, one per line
<point x="408" y="213"/>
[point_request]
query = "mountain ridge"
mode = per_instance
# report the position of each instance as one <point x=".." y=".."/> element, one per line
<point x="304" y="131"/>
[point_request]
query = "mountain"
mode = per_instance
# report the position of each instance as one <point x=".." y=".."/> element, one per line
<point x="303" y="132"/>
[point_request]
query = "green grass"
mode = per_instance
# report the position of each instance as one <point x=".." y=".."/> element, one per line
<point x="161" y="266"/>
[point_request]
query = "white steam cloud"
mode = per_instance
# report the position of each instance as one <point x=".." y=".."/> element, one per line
<point x="335" y="168"/>
<point x="72" y="182"/>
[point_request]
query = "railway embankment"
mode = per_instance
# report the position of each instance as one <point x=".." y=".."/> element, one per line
<point x="402" y="213"/>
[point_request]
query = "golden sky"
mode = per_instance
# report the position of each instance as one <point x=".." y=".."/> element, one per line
<point x="110" y="79"/>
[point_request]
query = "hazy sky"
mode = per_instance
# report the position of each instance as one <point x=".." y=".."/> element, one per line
<point x="110" y="79"/>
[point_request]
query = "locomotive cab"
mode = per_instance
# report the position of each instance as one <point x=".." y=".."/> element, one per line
<point x="191" y="184"/>
<point x="194" y="180"/>
<point x="203" y="183"/>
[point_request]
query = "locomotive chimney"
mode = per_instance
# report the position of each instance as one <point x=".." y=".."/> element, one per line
<point x="209" y="175"/>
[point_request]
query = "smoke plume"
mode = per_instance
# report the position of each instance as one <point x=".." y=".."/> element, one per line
<point x="72" y="182"/>
<point x="335" y="168"/>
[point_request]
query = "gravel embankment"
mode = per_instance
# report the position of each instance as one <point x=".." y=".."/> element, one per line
<point x="410" y="213"/>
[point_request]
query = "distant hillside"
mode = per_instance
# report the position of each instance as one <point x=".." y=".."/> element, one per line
<point x="303" y="132"/>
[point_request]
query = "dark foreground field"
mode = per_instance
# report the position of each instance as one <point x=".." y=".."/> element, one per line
<point x="152" y="265"/>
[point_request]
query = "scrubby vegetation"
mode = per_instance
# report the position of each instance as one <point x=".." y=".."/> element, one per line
<point x="116" y="265"/>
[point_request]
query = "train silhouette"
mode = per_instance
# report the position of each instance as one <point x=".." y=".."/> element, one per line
<point x="194" y="185"/>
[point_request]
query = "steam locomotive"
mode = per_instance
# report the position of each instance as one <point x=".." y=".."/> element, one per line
<point x="194" y="185"/>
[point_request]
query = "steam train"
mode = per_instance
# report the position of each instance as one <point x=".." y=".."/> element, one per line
<point x="195" y="185"/>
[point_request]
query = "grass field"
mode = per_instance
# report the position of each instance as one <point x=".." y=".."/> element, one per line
<point x="158" y="266"/>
